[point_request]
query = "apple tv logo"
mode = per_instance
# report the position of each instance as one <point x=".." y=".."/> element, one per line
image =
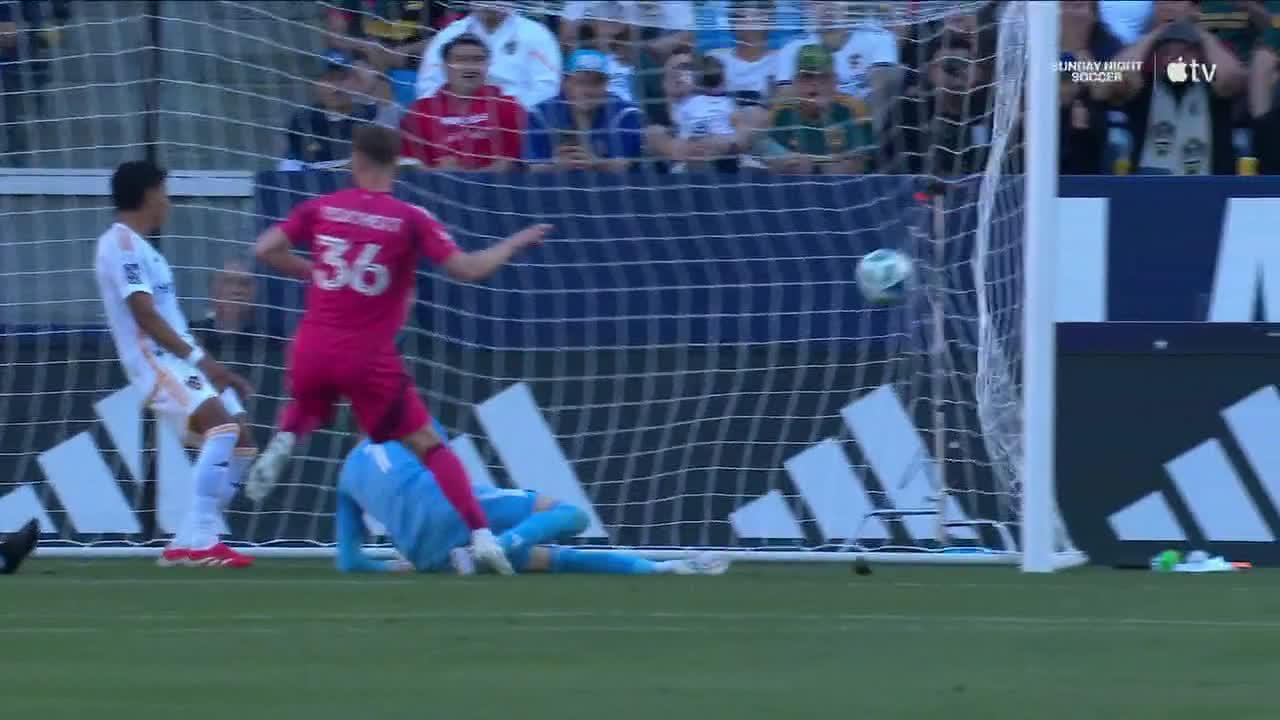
<point x="1179" y="71"/>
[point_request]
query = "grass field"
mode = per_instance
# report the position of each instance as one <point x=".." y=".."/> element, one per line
<point x="113" y="639"/>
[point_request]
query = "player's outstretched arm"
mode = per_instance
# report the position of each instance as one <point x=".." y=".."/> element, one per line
<point x="149" y="320"/>
<point x="479" y="265"/>
<point x="351" y="557"/>
<point x="274" y="250"/>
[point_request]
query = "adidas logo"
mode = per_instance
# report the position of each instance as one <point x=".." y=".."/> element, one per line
<point x="1217" y="499"/>
<point x="520" y="435"/>
<point x="835" y="492"/>
<point x="85" y="486"/>
<point x="94" y="501"/>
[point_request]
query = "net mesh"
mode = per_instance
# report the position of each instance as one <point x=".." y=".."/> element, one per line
<point x="689" y="357"/>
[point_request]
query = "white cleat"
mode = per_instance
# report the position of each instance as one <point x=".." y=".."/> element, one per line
<point x="266" y="469"/>
<point x="487" y="553"/>
<point x="701" y="564"/>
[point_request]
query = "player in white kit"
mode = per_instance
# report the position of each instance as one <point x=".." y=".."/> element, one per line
<point x="182" y="384"/>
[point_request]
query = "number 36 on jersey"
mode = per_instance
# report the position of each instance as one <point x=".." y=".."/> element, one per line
<point x="335" y="270"/>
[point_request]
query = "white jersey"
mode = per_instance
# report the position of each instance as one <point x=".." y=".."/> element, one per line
<point x="702" y="115"/>
<point x="747" y="76"/>
<point x="125" y="264"/>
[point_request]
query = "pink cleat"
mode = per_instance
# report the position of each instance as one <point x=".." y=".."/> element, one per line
<point x="219" y="555"/>
<point x="174" y="556"/>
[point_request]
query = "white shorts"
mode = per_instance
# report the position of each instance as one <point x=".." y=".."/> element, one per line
<point x="175" y="389"/>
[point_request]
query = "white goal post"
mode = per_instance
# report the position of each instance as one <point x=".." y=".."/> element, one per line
<point x="689" y="358"/>
<point x="1042" y="535"/>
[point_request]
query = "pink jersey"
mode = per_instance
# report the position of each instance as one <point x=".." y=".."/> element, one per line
<point x="366" y="247"/>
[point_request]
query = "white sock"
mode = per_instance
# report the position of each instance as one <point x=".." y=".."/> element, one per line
<point x="236" y="469"/>
<point x="283" y="443"/>
<point x="211" y="472"/>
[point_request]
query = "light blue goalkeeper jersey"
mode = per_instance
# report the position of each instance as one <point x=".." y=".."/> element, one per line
<point x="390" y="484"/>
<point x="387" y="481"/>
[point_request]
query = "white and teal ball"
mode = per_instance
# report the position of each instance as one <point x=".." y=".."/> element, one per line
<point x="885" y="276"/>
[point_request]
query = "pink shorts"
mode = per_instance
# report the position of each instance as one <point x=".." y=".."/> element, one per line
<point x="381" y="391"/>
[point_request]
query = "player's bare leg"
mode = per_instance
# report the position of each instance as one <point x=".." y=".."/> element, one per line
<point x="197" y="541"/>
<point x="453" y="481"/>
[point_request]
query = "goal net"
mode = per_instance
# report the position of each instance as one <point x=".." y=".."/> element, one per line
<point x="688" y="358"/>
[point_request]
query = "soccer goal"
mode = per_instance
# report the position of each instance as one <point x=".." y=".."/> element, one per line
<point x="689" y="359"/>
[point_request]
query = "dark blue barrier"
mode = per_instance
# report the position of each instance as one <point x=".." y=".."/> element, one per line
<point x="1164" y="237"/>
<point x="642" y="260"/>
<point x="1165" y="439"/>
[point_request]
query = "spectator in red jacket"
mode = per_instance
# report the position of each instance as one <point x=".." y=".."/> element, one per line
<point x="466" y="125"/>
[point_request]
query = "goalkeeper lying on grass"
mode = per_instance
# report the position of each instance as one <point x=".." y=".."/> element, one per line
<point x="390" y="483"/>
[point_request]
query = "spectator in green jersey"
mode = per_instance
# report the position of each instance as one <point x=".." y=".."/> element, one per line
<point x="818" y="130"/>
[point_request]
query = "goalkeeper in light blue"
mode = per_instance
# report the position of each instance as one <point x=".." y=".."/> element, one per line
<point x="389" y="483"/>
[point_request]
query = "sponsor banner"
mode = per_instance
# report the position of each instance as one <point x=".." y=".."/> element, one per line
<point x="691" y="361"/>
<point x="670" y="362"/>
<point x="642" y="261"/>
<point x="784" y="446"/>
<point x="1136" y="248"/>
<point x="1166" y="439"/>
<point x="1160" y="439"/>
<point x="1144" y="248"/>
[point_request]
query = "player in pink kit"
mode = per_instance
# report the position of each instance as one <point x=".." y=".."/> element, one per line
<point x="366" y="246"/>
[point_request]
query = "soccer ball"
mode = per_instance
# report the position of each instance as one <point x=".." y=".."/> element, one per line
<point x="884" y="276"/>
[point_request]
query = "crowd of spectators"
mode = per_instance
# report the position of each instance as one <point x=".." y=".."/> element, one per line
<point x="800" y="86"/>
<point x="723" y="85"/>
<point x="794" y="86"/>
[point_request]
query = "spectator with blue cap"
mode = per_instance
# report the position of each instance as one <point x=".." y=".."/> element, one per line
<point x="605" y="28"/>
<point x="322" y="132"/>
<point x="585" y="127"/>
